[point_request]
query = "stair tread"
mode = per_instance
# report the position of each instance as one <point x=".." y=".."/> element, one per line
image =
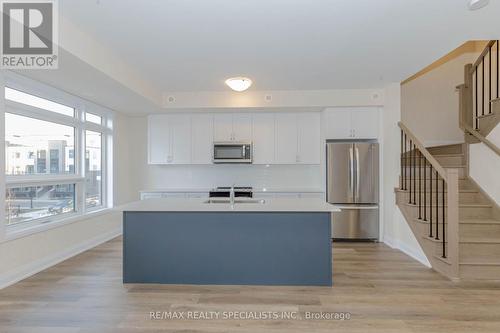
<point x="481" y="261"/>
<point x="480" y="221"/>
<point x="449" y="155"/>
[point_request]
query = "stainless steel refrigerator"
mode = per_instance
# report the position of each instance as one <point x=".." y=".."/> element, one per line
<point x="352" y="173"/>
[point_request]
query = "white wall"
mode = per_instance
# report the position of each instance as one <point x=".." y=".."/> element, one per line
<point x="396" y="232"/>
<point x="485" y="165"/>
<point x="430" y="101"/>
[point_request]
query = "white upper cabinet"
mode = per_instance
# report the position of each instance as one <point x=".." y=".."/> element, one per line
<point x="180" y="129"/>
<point x="169" y="139"/>
<point x="308" y="140"/>
<point x="263" y="138"/>
<point x="351" y="123"/>
<point x="278" y="138"/>
<point x="232" y="127"/>
<point x="337" y="123"/>
<point x="159" y="147"/>
<point x="223" y="127"/>
<point x="365" y="123"/>
<point x="286" y="138"/>
<point x="202" y="130"/>
<point x="242" y="126"/>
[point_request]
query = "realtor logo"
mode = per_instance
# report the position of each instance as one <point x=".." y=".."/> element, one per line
<point x="29" y="34"/>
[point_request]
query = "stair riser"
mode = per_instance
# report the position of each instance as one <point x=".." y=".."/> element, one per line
<point x="479" y="230"/>
<point x="445" y="150"/>
<point x="480" y="272"/>
<point x="463" y="184"/>
<point x="416" y="173"/>
<point x="474" y="212"/>
<point x="445" y="161"/>
<point x="464" y="197"/>
<point x="472" y="251"/>
<point x="451" y="160"/>
<point x="464" y="212"/>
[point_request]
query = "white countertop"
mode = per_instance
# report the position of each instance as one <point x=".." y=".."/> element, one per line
<point x="198" y="205"/>
<point x="255" y="189"/>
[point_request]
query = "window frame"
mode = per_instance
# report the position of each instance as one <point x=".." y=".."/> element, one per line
<point x="80" y="125"/>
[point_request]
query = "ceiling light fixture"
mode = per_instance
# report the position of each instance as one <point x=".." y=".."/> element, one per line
<point x="477" y="4"/>
<point x="239" y="83"/>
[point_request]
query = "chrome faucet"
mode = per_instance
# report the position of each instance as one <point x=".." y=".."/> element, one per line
<point x="231" y="195"/>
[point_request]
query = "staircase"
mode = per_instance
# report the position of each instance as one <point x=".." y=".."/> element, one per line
<point x="455" y="222"/>
<point x="477" y="228"/>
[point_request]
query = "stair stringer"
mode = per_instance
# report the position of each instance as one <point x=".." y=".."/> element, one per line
<point x="428" y="245"/>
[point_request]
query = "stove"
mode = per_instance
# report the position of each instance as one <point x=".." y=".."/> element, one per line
<point x="224" y="192"/>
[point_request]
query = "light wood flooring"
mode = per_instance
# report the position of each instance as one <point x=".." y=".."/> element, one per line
<point x="383" y="289"/>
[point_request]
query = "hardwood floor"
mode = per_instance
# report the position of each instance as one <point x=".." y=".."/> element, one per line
<point x="383" y="290"/>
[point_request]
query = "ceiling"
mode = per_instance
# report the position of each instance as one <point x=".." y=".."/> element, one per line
<point x="194" y="45"/>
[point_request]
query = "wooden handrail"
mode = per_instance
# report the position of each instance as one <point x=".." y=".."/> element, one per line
<point x="482" y="138"/>
<point x="424" y="151"/>
<point x="482" y="55"/>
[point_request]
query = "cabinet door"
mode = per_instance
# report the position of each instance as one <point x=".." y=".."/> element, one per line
<point x="242" y="127"/>
<point x="309" y="142"/>
<point x="337" y="123"/>
<point x="365" y="123"/>
<point x="201" y="138"/>
<point x="286" y="138"/>
<point x="159" y="139"/>
<point x="180" y="128"/>
<point x="223" y="127"/>
<point x="263" y="138"/>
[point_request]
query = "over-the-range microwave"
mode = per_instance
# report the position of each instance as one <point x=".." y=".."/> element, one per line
<point x="232" y="152"/>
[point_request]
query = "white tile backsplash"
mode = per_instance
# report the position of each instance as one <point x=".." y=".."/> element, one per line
<point x="201" y="176"/>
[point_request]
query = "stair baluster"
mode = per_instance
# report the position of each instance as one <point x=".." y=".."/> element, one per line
<point x="419" y="185"/>
<point x="444" y="222"/>
<point x="430" y="200"/>
<point x="437" y="206"/>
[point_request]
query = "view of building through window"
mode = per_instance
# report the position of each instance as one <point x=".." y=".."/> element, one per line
<point x="93" y="168"/>
<point x="35" y="146"/>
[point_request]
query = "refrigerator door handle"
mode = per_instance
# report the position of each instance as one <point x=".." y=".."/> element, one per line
<point x="351" y="172"/>
<point x="357" y="174"/>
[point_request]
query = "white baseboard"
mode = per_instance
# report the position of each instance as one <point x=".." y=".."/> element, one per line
<point x="9" y="278"/>
<point x="396" y="244"/>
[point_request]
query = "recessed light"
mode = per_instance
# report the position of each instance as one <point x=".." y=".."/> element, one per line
<point x="239" y="83"/>
<point x="477" y="4"/>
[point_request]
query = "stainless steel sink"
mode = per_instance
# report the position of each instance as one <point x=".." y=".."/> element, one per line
<point x="237" y="201"/>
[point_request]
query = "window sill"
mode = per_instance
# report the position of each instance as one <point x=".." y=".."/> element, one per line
<point x="16" y="232"/>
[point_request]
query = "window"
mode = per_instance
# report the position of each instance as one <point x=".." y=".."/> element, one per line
<point x="55" y="166"/>
<point x="93" y="118"/>
<point x="42" y="103"/>
<point x="29" y="203"/>
<point x="27" y="141"/>
<point x="93" y="169"/>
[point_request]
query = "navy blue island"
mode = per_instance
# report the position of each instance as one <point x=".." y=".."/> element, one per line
<point x="196" y="241"/>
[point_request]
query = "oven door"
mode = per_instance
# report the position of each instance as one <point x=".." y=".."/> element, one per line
<point x="232" y="153"/>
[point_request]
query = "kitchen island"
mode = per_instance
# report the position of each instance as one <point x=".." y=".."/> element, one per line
<point x="253" y="242"/>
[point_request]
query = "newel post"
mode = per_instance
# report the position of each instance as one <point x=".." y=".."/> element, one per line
<point x="465" y="104"/>
<point x="453" y="226"/>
